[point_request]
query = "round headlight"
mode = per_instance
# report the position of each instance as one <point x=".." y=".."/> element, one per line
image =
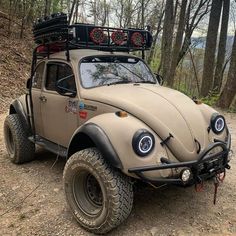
<point x="143" y="142"/>
<point x="217" y="123"/>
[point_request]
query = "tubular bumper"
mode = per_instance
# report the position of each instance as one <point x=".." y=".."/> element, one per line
<point x="206" y="166"/>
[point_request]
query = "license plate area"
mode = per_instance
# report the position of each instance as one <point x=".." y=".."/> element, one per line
<point x="212" y="165"/>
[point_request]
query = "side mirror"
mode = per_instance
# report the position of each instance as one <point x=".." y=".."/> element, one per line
<point x="66" y="87"/>
<point x="29" y="83"/>
<point x="160" y="79"/>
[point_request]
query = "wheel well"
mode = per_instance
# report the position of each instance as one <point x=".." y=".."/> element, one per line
<point x="91" y="135"/>
<point x="80" y="141"/>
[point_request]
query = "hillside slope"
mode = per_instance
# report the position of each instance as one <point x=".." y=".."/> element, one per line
<point x="15" y="59"/>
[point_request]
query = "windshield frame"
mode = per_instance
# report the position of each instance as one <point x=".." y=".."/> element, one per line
<point x="113" y="55"/>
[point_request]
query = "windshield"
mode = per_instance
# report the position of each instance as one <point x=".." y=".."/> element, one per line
<point x="99" y="71"/>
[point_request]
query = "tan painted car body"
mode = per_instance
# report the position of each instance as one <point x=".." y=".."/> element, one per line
<point x="158" y="109"/>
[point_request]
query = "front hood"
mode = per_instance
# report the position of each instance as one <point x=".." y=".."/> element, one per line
<point x="164" y="110"/>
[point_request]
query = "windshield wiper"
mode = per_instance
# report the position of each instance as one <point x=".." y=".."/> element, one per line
<point x="120" y="82"/>
<point x="146" y="82"/>
<point x="128" y="69"/>
<point x="142" y="81"/>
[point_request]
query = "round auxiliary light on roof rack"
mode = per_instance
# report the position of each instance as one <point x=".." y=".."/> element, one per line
<point x="97" y="35"/>
<point x="118" y="37"/>
<point x="137" y="39"/>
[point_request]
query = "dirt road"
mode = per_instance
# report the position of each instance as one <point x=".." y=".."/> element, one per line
<point x="32" y="202"/>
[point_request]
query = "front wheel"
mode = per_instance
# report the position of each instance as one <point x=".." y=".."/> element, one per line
<point x="99" y="196"/>
<point x="16" y="134"/>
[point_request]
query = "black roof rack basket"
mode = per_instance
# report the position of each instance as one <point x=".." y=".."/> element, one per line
<point x="53" y="33"/>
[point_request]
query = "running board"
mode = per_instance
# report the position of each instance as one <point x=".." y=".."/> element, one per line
<point x="50" y="146"/>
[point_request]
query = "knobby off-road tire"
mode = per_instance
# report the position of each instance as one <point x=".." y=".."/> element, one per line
<point x="99" y="196"/>
<point x="16" y="134"/>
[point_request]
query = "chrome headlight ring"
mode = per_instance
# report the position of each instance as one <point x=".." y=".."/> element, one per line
<point x="217" y="123"/>
<point x="143" y="142"/>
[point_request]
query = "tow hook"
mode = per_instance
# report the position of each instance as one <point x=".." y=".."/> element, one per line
<point x="228" y="166"/>
<point x="199" y="185"/>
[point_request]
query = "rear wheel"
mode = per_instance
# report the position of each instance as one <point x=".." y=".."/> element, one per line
<point x="99" y="196"/>
<point x="16" y="134"/>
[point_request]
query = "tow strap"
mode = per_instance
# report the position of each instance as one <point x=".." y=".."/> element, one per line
<point x="219" y="178"/>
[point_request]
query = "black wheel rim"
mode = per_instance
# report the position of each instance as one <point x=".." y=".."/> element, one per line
<point x="88" y="194"/>
<point x="10" y="141"/>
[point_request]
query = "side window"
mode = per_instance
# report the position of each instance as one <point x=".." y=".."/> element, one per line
<point x="59" y="71"/>
<point x="51" y="76"/>
<point x="38" y="76"/>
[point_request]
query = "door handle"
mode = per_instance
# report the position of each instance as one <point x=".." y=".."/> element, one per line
<point x="42" y="98"/>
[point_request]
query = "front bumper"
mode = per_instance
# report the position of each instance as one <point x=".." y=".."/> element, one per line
<point x="206" y="166"/>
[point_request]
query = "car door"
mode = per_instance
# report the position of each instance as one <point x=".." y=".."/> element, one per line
<point x="59" y="112"/>
<point x="36" y="96"/>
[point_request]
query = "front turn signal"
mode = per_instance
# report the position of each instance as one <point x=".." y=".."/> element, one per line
<point x="122" y="114"/>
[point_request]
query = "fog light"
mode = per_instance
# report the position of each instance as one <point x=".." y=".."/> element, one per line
<point x="185" y="175"/>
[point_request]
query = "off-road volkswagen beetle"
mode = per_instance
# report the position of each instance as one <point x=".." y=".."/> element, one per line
<point x="93" y="102"/>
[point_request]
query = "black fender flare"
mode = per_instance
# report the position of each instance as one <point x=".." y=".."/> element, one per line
<point x="17" y="107"/>
<point x="99" y="138"/>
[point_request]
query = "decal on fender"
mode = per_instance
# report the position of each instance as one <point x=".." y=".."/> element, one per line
<point x="83" y="114"/>
<point x="72" y="107"/>
<point x="83" y="106"/>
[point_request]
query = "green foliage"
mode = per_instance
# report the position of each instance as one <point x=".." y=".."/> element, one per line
<point x="155" y="64"/>
<point x="183" y="89"/>
<point x="211" y="99"/>
<point x="56" y="6"/>
<point x="232" y="110"/>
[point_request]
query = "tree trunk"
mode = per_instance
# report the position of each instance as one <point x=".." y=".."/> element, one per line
<point x="121" y="13"/>
<point x="10" y="17"/>
<point x="22" y="27"/>
<point x="209" y="57"/>
<point x="192" y="21"/>
<point x="61" y="5"/>
<point x="47" y="7"/>
<point x="152" y="50"/>
<point x="222" y="46"/>
<point x="195" y="71"/>
<point x="229" y="91"/>
<point x="95" y="18"/>
<point x="76" y="11"/>
<point x="166" y="44"/>
<point x="30" y="13"/>
<point x="142" y="14"/>
<point x="177" y="45"/>
<point x="106" y="12"/>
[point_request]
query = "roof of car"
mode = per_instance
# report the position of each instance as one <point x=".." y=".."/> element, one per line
<point x="77" y="54"/>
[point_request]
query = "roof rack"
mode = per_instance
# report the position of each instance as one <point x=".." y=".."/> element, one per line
<point x="53" y="34"/>
<point x="110" y="39"/>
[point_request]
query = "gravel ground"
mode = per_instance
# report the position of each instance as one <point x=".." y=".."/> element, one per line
<point x="32" y="202"/>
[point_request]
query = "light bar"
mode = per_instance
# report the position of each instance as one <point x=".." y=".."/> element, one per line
<point x="97" y="35"/>
<point x="137" y="39"/>
<point x="118" y="37"/>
